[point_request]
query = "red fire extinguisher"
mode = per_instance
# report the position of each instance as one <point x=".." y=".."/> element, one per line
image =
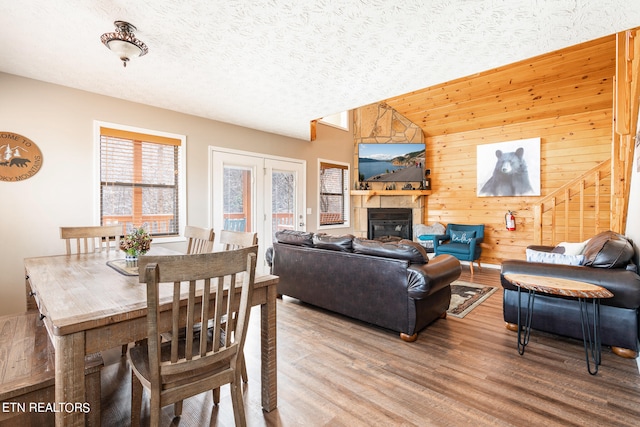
<point x="510" y="221"/>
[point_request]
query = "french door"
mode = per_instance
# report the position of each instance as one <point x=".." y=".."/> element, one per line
<point x="257" y="193"/>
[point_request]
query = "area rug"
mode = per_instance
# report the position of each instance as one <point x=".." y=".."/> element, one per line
<point x="466" y="296"/>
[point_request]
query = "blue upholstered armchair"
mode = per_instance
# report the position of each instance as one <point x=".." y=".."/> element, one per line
<point x="461" y="241"/>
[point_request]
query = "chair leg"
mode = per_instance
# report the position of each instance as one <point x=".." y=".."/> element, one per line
<point x="243" y="370"/>
<point x="154" y="417"/>
<point x="216" y="395"/>
<point x="471" y="267"/>
<point x="238" y="403"/>
<point x="177" y="408"/>
<point x="154" y="410"/>
<point x="136" y="400"/>
<point x="92" y="383"/>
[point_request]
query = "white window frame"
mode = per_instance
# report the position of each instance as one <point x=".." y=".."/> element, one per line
<point x="346" y="194"/>
<point x="338" y="120"/>
<point x="182" y="184"/>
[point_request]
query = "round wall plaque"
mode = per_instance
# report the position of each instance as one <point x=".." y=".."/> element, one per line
<point x="20" y="158"/>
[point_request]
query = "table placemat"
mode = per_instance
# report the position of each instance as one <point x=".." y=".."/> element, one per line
<point x="124" y="267"/>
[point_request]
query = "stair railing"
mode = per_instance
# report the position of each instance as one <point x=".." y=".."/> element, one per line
<point x="577" y="210"/>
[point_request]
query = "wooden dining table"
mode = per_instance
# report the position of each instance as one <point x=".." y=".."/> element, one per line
<point x="88" y="307"/>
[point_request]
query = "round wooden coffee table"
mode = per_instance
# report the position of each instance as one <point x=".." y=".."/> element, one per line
<point x="582" y="291"/>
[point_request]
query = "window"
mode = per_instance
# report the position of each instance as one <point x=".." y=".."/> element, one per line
<point x="142" y="180"/>
<point x="334" y="194"/>
<point x="237" y="198"/>
<point x="338" y="120"/>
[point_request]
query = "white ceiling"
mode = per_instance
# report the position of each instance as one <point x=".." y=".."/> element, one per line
<point x="275" y="65"/>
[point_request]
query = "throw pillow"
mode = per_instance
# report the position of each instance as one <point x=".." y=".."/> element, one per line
<point x="425" y="233"/>
<point x="462" y="236"/>
<point x="554" y="258"/>
<point x="421" y="229"/>
<point x="571" y="248"/>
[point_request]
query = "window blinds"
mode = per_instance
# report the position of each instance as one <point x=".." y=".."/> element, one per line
<point x="139" y="176"/>
<point x="332" y="193"/>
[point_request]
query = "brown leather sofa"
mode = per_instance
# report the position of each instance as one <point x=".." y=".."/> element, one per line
<point x="391" y="285"/>
<point x="608" y="261"/>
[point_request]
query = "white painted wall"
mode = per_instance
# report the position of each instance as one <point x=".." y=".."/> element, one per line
<point x="633" y="224"/>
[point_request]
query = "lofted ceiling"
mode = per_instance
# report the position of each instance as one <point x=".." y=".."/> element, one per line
<point x="275" y="65"/>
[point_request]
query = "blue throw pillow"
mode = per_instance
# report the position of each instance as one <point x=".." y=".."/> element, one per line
<point x="462" y="236"/>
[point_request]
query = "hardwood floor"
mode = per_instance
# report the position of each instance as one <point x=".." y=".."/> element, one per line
<point x="336" y="371"/>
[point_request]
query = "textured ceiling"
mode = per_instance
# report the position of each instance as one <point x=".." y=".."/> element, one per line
<point x="275" y="65"/>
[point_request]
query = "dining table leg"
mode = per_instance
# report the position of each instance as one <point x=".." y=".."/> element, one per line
<point x="70" y="404"/>
<point x="268" y="345"/>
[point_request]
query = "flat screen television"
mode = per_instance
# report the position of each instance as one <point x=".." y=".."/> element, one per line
<point x="391" y="162"/>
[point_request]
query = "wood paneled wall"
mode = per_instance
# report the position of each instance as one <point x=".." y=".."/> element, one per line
<point x="564" y="97"/>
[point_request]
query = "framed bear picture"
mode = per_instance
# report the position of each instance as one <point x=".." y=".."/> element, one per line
<point x="509" y="168"/>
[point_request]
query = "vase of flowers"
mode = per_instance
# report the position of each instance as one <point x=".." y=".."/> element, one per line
<point x="137" y="242"/>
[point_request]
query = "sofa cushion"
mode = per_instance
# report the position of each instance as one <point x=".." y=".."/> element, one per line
<point x="608" y="250"/>
<point x="334" y="243"/>
<point x="455" y="248"/>
<point x="298" y="238"/>
<point x="404" y="249"/>
<point x="553" y="257"/>
<point x="459" y="236"/>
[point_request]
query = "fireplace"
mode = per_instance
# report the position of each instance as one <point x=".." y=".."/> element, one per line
<point x="390" y="224"/>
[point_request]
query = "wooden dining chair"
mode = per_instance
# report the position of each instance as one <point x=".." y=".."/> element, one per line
<point x="82" y="240"/>
<point x="86" y="239"/>
<point x="231" y="240"/>
<point x="175" y="370"/>
<point x="199" y="240"/>
<point x="96" y="238"/>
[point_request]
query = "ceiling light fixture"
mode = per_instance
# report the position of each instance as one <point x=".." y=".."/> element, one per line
<point x="123" y="42"/>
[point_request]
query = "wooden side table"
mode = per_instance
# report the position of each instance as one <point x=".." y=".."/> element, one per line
<point x="569" y="288"/>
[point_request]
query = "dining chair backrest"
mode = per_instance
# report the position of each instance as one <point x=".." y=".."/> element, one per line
<point x="198" y="362"/>
<point x="231" y="240"/>
<point x="199" y="240"/>
<point x="91" y="238"/>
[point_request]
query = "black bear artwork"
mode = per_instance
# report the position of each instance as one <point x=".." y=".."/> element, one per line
<point x="510" y="176"/>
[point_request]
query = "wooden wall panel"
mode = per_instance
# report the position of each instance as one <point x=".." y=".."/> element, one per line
<point x="565" y="98"/>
